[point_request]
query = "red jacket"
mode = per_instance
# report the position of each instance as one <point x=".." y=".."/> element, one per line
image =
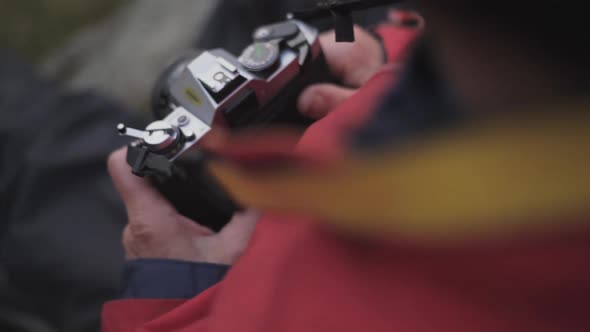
<point x="300" y="276"/>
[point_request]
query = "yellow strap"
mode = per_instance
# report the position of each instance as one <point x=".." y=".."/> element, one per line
<point x="505" y="175"/>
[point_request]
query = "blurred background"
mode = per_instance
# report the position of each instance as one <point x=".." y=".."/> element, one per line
<point x="36" y="27"/>
<point x="83" y="44"/>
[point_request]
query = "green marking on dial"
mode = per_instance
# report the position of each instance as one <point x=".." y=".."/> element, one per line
<point x="259" y="50"/>
<point x="260" y="56"/>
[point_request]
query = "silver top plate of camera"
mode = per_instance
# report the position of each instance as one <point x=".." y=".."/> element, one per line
<point x="216" y="80"/>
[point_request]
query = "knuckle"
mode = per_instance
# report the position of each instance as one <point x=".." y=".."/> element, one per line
<point x="312" y="91"/>
<point x="141" y="238"/>
<point x="322" y="91"/>
<point x="141" y="235"/>
<point x="127" y="240"/>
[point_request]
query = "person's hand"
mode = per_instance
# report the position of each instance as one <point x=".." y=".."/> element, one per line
<point x="157" y="230"/>
<point x="353" y="63"/>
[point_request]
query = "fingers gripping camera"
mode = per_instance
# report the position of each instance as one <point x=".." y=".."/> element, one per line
<point x="258" y="88"/>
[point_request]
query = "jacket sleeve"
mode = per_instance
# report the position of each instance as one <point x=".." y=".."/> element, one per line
<point x="153" y="287"/>
<point x="136" y="314"/>
<point x="169" y="279"/>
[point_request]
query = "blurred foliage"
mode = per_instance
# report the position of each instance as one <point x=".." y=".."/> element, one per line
<point x="36" y="27"/>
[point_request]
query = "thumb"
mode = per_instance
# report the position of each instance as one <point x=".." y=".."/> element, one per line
<point x="320" y="99"/>
<point x="241" y="227"/>
<point x="237" y="234"/>
<point x="138" y="194"/>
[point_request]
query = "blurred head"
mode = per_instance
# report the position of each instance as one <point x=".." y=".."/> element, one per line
<point x="509" y="52"/>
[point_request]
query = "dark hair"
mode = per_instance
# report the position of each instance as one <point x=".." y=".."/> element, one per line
<point x="552" y="33"/>
<point x="556" y="29"/>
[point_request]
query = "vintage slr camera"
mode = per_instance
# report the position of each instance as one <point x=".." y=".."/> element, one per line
<point x="258" y="88"/>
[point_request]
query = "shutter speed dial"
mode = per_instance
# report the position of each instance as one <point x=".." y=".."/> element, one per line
<point x="260" y="56"/>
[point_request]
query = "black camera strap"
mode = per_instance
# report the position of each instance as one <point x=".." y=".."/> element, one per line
<point x="341" y="11"/>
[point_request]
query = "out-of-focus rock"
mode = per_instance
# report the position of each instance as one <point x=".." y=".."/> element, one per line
<point x="122" y="56"/>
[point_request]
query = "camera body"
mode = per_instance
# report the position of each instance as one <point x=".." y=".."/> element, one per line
<point x="257" y="89"/>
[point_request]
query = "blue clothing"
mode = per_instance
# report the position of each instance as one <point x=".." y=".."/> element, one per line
<point x="169" y="279"/>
